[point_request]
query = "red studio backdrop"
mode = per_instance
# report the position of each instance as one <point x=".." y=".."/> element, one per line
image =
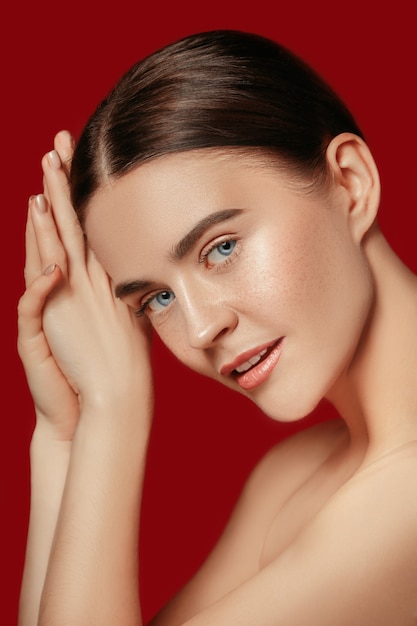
<point x="58" y="61"/>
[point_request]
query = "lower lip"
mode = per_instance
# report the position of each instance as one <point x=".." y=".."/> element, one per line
<point x="260" y="372"/>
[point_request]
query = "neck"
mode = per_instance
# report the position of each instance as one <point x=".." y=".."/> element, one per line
<point x="377" y="395"/>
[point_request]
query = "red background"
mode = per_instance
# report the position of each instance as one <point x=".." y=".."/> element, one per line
<point x="57" y="62"/>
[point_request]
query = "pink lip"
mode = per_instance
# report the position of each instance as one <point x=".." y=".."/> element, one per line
<point x="260" y="372"/>
<point x="245" y="356"/>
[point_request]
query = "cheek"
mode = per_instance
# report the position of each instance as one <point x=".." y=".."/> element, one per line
<point x="172" y="333"/>
<point x="195" y="360"/>
<point x="314" y="279"/>
<point x="332" y="295"/>
<point x="281" y="272"/>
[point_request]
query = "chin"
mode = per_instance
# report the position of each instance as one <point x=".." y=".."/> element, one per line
<point x="286" y="408"/>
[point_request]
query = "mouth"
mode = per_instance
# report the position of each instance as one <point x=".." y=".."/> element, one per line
<point x="253" y="367"/>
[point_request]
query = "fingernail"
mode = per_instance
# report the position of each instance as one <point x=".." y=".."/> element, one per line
<point x="49" y="269"/>
<point x="40" y="203"/>
<point x="54" y="159"/>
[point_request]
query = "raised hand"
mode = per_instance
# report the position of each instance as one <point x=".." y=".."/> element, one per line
<point x="75" y="335"/>
<point x="78" y="342"/>
<point x="56" y="402"/>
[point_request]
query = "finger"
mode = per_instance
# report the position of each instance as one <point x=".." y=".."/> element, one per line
<point x="31" y="304"/>
<point x="64" y="144"/>
<point x="99" y="279"/>
<point x="45" y="189"/>
<point x="50" y="248"/>
<point x="95" y="269"/>
<point x="32" y="262"/>
<point x="67" y="223"/>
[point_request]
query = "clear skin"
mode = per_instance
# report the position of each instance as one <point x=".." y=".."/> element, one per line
<point x="325" y="529"/>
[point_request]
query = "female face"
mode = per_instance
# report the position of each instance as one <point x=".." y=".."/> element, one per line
<point x="246" y="279"/>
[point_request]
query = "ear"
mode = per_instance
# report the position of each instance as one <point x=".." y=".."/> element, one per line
<point x="355" y="173"/>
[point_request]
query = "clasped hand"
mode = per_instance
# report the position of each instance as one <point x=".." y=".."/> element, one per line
<point x="80" y="345"/>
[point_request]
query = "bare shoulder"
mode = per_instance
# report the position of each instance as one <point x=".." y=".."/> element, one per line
<point x="368" y="533"/>
<point x="357" y="539"/>
<point x="353" y="563"/>
<point x="386" y="487"/>
<point x="387" y="480"/>
<point x="355" y="560"/>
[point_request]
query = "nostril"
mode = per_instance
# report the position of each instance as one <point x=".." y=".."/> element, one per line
<point x="224" y="331"/>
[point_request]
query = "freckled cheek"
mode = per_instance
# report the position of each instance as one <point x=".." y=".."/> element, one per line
<point x="274" y="276"/>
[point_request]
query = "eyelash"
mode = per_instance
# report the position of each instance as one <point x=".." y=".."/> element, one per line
<point x="203" y="258"/>
<point x="140" y="312"/>
<point x="216" y="244"/>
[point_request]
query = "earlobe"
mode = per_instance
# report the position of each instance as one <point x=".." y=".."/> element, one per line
<point x="355" y="172"/>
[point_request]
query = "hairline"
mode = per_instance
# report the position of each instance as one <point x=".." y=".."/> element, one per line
<point x="265" y="158"/>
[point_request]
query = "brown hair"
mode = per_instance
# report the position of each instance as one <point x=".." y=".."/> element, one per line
<point x="218" y="89"/>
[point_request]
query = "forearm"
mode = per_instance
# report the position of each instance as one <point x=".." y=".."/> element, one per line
<point x="93" y="571"/>
<point x="49" y="459"/>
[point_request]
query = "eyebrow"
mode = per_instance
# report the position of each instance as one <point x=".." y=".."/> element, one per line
<point x="132" y="286"/>
<point x="181" y="249"/>
<point x="187" y="243"/>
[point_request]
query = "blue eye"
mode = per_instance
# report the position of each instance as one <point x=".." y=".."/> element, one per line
<point x="222" y="250"/>
<point x="161" y="300"/>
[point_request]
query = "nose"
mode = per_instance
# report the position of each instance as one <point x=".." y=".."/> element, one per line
<point x="207" y="320"/>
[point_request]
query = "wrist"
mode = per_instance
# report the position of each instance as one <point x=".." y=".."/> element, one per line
<point x="46" y="437"/>
<point x="113" y="412"/>
<point x="49" y="458"/>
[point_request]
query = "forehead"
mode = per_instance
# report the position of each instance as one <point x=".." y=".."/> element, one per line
<point x="178" y="180"/>
<point x="182" y="176"/>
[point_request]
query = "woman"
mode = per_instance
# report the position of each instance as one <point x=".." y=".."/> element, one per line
<point x="229" y="203"/>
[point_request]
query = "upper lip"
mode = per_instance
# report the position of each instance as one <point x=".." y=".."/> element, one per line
<point x="245" y="356"/>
